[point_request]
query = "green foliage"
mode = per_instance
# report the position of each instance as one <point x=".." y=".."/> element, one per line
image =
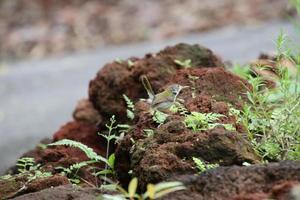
<point x="149" y="132"/>
<point x="242" y="71"/>
<point x="72" y="170"/>
<point x="110" y="170"/>
<point x="153" y="191"/>
<point x="185" y="64"/>
<point x="38" y="174"/>
<point x="204" y="121"/>
<point x="6" y="177"/>
<point x="271" y="116"/>
<point x="178" y="107"/>
<point x="130" y="64"/>
<point x="202" y="167"/>
<point x="119" y="61"/>
<point x="25" y="164"/>
<point x="159" y="117"/>
<point x="89" y="152"/>
<point x="111" y="128"/>
<point x="111" y="135"/>
<point x="130" y="107"/>
<point x="192" y="80"/>
<point x="296" y="4"/>
<point x="272" y="119"/>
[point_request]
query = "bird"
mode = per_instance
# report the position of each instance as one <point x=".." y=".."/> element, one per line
<point x="163" y="100"/>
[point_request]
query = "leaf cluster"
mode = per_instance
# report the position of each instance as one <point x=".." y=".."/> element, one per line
<point x="204" y="121"/>
<point x="130" y="107"/>
<point x="271" y="115"/>
<point x="185" y="64"/>
<point x="153" y="191"/>
<point x="202" y="167"/>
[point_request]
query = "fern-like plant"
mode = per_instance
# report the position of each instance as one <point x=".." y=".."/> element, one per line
<point x="130" y="107"/>
<point x="89" y="152"/>
<point x="185" y="64"/>
<point x="204" y="121"/>
<point x="202" y="167"/>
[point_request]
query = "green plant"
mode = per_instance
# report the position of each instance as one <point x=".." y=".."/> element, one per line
<point x="202" y="167"/>
<point x="130" y="107"/>
<point x="119" y="61"/>
<point x="25" y="164"/>
<point x="178" y="107"/>
<point x="271" y="116"/>
<point x="159" y="117"/>
<point x="130" y="64"/>
<point x="153" y="191"/>
<point x="6" y="177"/>
<point x="149" y="132"/>
<point x="89" y="152"/>
<point x="72" y="170"/>
<point x="296" y="4"/>
<point x="111" y="170"/>
<point x="185" y="64"/>
<point x="112" y="135"/>
<point x="204" y="121"/>
<point x="192" y="80"/>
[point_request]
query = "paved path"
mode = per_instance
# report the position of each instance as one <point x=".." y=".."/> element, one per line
<point x="37" y="97"/>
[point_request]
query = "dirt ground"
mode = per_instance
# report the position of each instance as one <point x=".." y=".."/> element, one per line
<point x="36" y="28"/>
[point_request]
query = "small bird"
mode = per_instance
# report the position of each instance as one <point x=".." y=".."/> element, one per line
<point x="164" y="100"/>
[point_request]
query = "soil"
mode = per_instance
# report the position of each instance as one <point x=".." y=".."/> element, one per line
<point x="167" y="154"/>
<point x="36" y="28"/>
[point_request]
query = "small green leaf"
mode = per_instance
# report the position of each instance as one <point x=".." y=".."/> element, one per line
<point x="130" y="114"/>
<point x="104" y="172"/>
<point x="111" y="160"/>
<point x="151" y="191"/>
<point x="132" y="187"/>
<point x="165" y="188"/>
<point x="159" y="117"/>
<point x="118" y="60"/>
<point x="149" y="132"/>
<point x="130" y="63"/>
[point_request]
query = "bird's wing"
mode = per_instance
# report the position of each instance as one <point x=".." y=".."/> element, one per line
<point x="161" y="97"/>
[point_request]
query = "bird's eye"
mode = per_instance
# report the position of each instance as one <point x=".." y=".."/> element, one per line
<point x="174" y="91"/>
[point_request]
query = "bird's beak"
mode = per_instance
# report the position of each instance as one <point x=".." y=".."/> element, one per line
<point x="183" y="87"/>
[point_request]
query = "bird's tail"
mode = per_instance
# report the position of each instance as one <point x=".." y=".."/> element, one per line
<point x="147" y="87"/>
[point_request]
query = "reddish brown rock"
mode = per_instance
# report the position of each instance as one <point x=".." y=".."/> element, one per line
<point x="216" y="83"/>
<point x="173" y="145"/>
<point x="271" y="181"/>
<point x="65" y="192"/>
<point x="170" y="152"/>
<point x="83" y="132"/>
<point x="19" y="185"/>
<point x="115" y="79"/>
<point x="85" y="112"/>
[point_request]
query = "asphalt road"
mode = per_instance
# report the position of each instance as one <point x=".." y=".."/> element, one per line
<point x="37" y="97"/>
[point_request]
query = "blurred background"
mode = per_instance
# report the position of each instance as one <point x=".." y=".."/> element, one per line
<point x="50" y="49"/>
<point x="38" y="28"/>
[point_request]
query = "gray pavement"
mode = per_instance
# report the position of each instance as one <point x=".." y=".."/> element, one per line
<point x="37" y="97"/>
